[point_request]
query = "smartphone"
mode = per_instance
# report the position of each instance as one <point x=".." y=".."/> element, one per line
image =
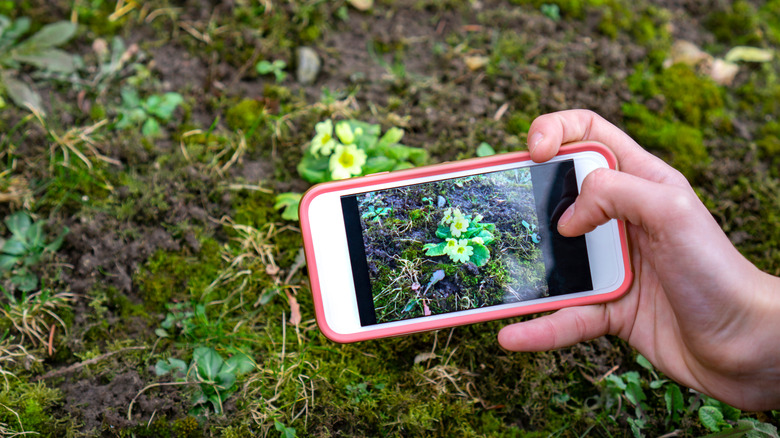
<point x="457" y="243"/>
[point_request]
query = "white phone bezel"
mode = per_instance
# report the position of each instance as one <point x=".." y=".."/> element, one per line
<point x="336" y="285"/>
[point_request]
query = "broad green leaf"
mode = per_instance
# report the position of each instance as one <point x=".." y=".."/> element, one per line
<point x="162" y="368"/>
<point x="25" y="281"/>
<point x="443" y="232"/>
<point x="208" y="362"/>
<point x="34" y="235"/>
<point x="392" y="136"/>
<point x="378" y="164"/>
<point x="151" y="127"/>
<point x="264" y="67"/>
<point x="403" y="165"/>
<point x="481" y="255"/>
<point x="7" y="262"/>
<point x="18" y="224"/>
<point x="12" y="31"/>
<point x="54" y="60"/>
<point x="14" y="247"/>
<point x="485" y="150"/>
<point x="711" y="417"/>
<point x="130" y="98"/>
<point x="164" y="106"/>
<point x="225" y="381"/>
<point x="22" y="94"/>
<point x="239" y="364"/>
<point x="432" y="249"/>
<point x="161" y="333"/>
<point x="418" y="156"/>
<point x="486" y="236"/>
<point x="615" y="381"/>
<point x="289" y="201"/>
<point x="51" y="35"/>
<point x="410" y="305"/>
<point x="314" y="169"/>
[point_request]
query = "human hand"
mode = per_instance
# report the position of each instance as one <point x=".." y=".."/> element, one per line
<point x="697" y="309"/>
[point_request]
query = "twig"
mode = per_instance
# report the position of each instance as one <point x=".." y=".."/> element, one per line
<point x="76" y="366"/>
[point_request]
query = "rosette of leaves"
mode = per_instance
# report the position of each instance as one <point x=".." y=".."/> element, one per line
<point x="39" y="51"/>
<point x="382" y="152"/>
<point x="146" y="112"/>
<point x="24" y="249"/>
<point x="463" y="235"/>
<point x="215" y="376"/>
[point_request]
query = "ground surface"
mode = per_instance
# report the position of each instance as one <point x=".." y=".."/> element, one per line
<point x="175" y="257"/>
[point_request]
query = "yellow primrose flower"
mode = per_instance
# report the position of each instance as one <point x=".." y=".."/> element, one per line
<point x="462" y="252"/>
<point x="347" y="161"/>
<point x="323" y="142"/>
<point x="459" y="225"/>
<point x="477" y="240"/>
<point x="447" y="216"/>
<point x="344" y="133"/>
<point x="449" y="249"/>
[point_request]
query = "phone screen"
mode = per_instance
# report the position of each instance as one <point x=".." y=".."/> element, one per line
<point x="464" y="243"/>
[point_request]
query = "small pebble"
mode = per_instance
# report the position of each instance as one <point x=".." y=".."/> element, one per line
<point x="308" y="65"/>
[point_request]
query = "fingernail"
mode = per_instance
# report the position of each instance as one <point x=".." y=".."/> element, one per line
<point x="566" y="216"/>
<point x="534" y="141"/>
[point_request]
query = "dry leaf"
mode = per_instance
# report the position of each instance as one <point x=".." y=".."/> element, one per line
<point x="685" y="52"/>
<point x="476" y="62"/>
<point x="295" y="309"/>
<point x="423" y="357"/>
<point x="426" y="309"/>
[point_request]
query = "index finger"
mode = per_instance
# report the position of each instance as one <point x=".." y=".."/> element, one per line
<point x="548" y="132"/>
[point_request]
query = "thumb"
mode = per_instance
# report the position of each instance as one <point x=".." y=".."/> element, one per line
<point x="608" y="194"/>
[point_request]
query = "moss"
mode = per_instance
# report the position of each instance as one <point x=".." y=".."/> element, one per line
<point x="33" y="403"/>
<point x="735" y="24"/>
<point x="168" y="275"/>
<point x="245" y="115"/>
<point x="682" y="144"/>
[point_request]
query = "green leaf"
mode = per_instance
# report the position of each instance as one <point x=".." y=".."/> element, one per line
<point x="54" y="60"/>
<point x="378" y="164"/>
<point x="486" y="236"/>
<point x="410" y="305"/>
<point x="264" y="67"/>
<point x="208" y="362"/>
<point x="57" y="243"/>
<point x="287" y="432"/>
<point x="711" y="417"/>
<point x="392" y="136"/>
<point x="443" y="232"/>
<point x="7" y="262"/>
<point x="289" y="201"/>
<point x="161" y="333"/>
<point x="130" y="98"/>
<point x="151" y="127"/>
<point x="15" y="247"/>
<point x="674" y="401"/>
<point x="225" y="381"/>
<point x="164" y="106"/>
<point x="314" y="169"/>
<point x="239" y="364"/>
<point x="480" y="256"/>
<point x="22" y="94"/>
<point x="25" y="281"/>
<point x="643" y="362"/>
<point x="51" y="35"/>
<point x="432" y="249"/>
<point x="485" y="150"/>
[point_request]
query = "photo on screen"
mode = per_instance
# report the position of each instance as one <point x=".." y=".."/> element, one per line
<point x="452" y="245"/>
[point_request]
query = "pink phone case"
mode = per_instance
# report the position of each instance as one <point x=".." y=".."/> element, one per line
<point x="439" y="169"/>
